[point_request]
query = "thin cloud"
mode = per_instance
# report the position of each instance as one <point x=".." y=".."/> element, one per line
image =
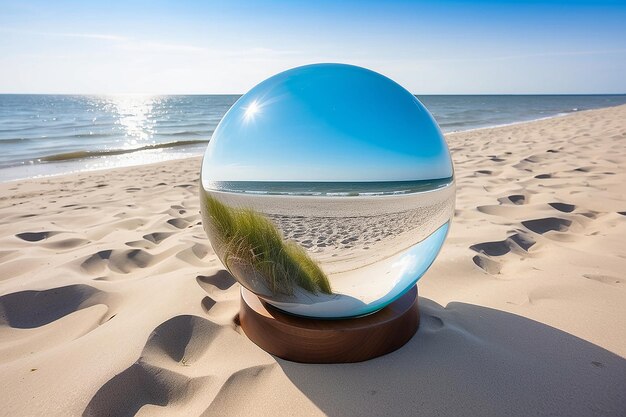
<point x="156" y="46"/>
<point x="161" y="46"/>
<point x="525" y="56"/>
<point x="152" y="46"/>
<point x="267" y="51"/>
<point x="100" y="36"/>
<point x="548" y="54"/>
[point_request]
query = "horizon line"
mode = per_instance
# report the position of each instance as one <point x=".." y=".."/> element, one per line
<point x="241" y="94"/>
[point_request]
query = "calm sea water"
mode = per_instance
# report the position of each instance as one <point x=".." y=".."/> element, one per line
<point x="329" y="188"/>
<point x="53" y="134"/>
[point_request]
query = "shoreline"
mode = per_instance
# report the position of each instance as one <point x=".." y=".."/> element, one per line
<point x="540" y="119"/>
<point x="525" y="121"/>
<point x="171" y="156"/>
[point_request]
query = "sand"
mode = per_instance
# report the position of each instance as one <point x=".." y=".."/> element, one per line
<point x="112" y="301"/>
<point x="344" y="228"/>
<point x="350" y="238"/>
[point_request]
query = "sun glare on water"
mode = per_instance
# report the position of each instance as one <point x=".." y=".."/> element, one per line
<point x="134" y="115"/>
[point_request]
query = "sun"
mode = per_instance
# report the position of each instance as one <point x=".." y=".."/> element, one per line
<point x="252" y="109"/>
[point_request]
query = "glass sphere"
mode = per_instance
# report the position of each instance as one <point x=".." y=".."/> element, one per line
<point x="327" y="190"/>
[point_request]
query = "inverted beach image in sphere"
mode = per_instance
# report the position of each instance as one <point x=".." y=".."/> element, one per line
<point x="327" y="190"/>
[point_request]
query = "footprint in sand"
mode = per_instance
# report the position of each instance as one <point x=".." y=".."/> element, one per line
<point x="31" y="309"/>
<point x="519" y="243"/>
<point x="488" y="265"/>
<point x="35" y="236"/>
<point x="222" y="301"/>
<point x="36" y="321"/>
<point x="522" y="241"/>
<point x="174" y="369"/>
<point x="178" y="223"/>
<point x="157" y="237"/>
<point x="563" y="207"/>
<point x="543" y="176"/>
<point x="222" y="280"/>
<point x="195" y="254"/>
<point x="547" y="224"/>
<point x="120" y="261"/>
<point x="150" y="240"/>
<point x="484" y="172"/>
<point x="140" y="385"/>
<point x="66" y="244"/>
<point x="517" y="199"/>
<point x="497" y="248"/>
<point x="56" y="244"/>
<point x="207" y="304"/>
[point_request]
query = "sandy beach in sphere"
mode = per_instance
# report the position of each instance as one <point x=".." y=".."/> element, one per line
<point x="344" y="233"/>
<point x="113" y="302"/>
<point x="359" y="242"/>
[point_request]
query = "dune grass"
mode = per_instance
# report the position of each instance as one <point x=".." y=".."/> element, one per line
<point x="248" y="239"/>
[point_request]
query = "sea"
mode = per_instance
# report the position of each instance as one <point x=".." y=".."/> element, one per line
<point x="329" y="188"/>
<point x="42" y="135"/>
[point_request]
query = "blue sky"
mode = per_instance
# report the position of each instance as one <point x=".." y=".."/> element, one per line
<point x="430" y="47"/>
<point x="327" y="122"/>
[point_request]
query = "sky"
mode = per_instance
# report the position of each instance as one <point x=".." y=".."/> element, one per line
<point x="326" y="122"/>
<point x="212" y="47"/>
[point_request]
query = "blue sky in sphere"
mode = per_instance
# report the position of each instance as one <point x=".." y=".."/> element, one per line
<point x="327" y="122"/>
<point x="205" y="47"/>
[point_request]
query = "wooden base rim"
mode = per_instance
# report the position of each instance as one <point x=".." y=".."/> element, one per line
<point x="310" y="340"/>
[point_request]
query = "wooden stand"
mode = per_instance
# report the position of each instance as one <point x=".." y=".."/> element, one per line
<point x="307" y="340"/>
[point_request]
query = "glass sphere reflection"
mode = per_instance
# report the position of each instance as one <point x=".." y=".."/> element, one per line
<point x="327" y="190"/>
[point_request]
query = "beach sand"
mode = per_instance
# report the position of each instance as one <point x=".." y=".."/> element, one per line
<point x="112" y="301"/>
